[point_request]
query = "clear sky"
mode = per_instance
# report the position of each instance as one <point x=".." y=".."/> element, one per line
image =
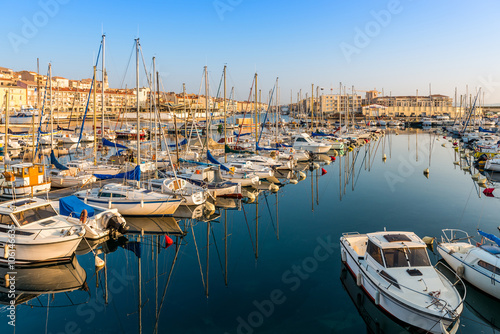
<point x="397" y="46"/>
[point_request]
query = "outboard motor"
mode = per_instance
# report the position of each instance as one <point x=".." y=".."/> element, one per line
<point x="117" y="223"/>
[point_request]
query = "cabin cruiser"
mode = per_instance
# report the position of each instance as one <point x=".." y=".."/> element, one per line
<point x="394" y="269"/>
<point x="210" y="177"/>
<point x="192" y="194"/>
<point x="24" y="179"/>
<point x="131" y="201"/>
<point x="69" y="178"/>
<point x="477" y="263"/>
<point x="41" y="234"/>
<point x="304" y="142"/>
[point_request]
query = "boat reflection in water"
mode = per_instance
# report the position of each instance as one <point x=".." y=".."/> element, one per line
<point x="31" y="282"/>
<point x="484" y="307"/>
<point x="376" y="321"/>
<point x="154" y="225"/>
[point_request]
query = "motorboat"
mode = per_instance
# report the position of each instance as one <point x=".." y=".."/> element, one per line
<point x="395" y="271"/>
<point x="478" y="263"/>
<point x="69" y="178"/>
<point x="23" y="180"/>
<point x="304" y="142"/>
<point x="210" y="177"/>
<point x="130" y="201"/>
<point x="192" y="194"/>
<point x="41" y="234"/>
<point x="98" y="222"/>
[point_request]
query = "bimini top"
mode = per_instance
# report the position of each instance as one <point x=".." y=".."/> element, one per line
<point x="396" y="239"/>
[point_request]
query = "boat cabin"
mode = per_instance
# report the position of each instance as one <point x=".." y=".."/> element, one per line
<point x="24" y="212"/>
<point x="397" y="250"/>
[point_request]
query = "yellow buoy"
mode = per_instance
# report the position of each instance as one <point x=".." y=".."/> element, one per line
<point x="456" y="163"/>
<point x="274" y="188"/>
<point x="293" y="181"/>
<point x="456" y="149"/>
<point x="476" y="176"/>
<point x="466" y="168"/>
<point x="482" y="181"/>
<point x="302" y="176"/>
<point x="426" y="171"/>
<point x="443" y="145"/>
<point x="210" y="208"/>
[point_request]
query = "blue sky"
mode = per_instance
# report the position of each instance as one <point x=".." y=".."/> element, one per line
<point x="398" y="46"/>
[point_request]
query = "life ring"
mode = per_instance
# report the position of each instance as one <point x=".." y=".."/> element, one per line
<point x="154" y="157"/>
<point x="83" y="216"/>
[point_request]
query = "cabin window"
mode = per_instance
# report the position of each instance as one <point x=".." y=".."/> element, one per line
<point x="6" y="220"/>
<point x="118" y="195"/>
<point x="404" y="257"/>
<point x="25" y="171"/>
<point x="31" y="215"/>
<point x="374" y="252"/>
<point x="489" y="267"/>
<point x="104" y="194"/>
<point x="302" y="140"/>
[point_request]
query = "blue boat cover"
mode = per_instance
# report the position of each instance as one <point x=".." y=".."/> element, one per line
<point x="134" y="174"/>
<point x="487" y="131"/>
<point x="183" y="142"/>
<point x="490" y="236"/>
<point x="211" y="158"/>
<point x="53" y="161"/>
<point x="264" y="148"/>
<point x="236" y="133"/>
<point x="72" y="205"/>
<point x="106" y="142"/>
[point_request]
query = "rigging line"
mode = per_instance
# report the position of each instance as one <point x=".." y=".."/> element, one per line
<point x="361" y="166"/>
<point x="128" y="64"/>
<point x="269" y="210"/>
<point x="198" y="255"/>
<point x="248" y="227"/>
<point x="47" y="319"/>
<point x="465" y="206"/>
<point x="217" y="249"/>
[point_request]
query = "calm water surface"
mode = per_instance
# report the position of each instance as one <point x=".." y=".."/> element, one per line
<point x="271" y="266"/>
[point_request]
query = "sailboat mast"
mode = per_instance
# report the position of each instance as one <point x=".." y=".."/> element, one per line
<point x="51" y="116"/>
<point x="225" y="133"/>
<point x="256" y="111"/>
<point x="312" y="105"/>
<point x="95" y="119"/>
<point x="102" y="87"/>
<point x="206" y="107"/>
<point x="6" y="143"/>
<point x="137" y="92"/>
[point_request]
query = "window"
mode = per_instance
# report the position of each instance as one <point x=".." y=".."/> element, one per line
<point x="302" y="140"/>
<point x="404" y="257"/>
<point x="6" y="220"/>
<point x="31" y="215"/>
<point x="489" y="267"/>
<point x="104" y="194"/>
<point x="374" y="252"/>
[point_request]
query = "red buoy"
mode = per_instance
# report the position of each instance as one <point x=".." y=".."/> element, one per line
<point x="332" y="158"/>
<point x="489" y="192"/>
<point x="168" y="241"/>
<point x="323" y="171"/>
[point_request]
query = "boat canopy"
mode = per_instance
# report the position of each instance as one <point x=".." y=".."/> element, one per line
<point x="55" y="162"/>
<point x="134" y="174"/>
<point x="73" y="206"/>
<point x="106" y="142"/>
<point x="492" y="237"/>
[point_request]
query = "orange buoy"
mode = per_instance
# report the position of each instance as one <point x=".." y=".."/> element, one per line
<point x="83" y="216"/>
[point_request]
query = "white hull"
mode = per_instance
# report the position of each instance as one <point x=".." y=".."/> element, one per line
<point x="25" y="191"/>
<point x="135" y="207"/>
<point x="488" y="284"/>
<point x="41" y="252"/>
<point x="390" y="305"/>
<point x="71" y="181"/>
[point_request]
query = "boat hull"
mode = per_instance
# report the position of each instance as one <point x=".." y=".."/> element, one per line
<point x="390" y="305"/>
<point x="32" y="252"/>
<point x="137" y="208"/>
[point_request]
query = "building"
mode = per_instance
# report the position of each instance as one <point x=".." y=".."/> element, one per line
<point x="413" y="106"/>
<point x="337" y="103"/>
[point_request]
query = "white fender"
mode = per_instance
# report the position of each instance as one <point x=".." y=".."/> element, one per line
<point x="343" y="256"/>
<point x="359" y="279"/>
<point x="377" y="297"/>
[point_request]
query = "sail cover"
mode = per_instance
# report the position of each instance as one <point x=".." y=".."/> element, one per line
<point x="492" y="237"/>
<point x="72" y="205"/>
<point x="106" y="142"/>
<point x="134" y="174"/>
<point x="211" y="158"/>
<point x="55" y="162"/>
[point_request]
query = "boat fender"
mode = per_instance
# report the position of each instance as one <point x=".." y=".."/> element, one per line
<point x="377" y="297"/>
<point x="359" y="279"/>
<point x="343" y="256"/>
<point x="99" y="263"/>
<point x="109" y="205"/>
<point x="83" y="216"/>
<point x="142" y="203"/>
<point x="461" y="271"/>
<point x="5" y="251"/>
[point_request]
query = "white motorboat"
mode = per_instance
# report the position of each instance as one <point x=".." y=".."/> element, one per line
<point x="39" y="234"/>
<point x="24" y="179"/>
<point x="478" y="264"/>
<point x="89" y="167"/>
<point x="129" y="200"/>
<point x="209" y="177"/>
<point x="192" y="194"/>
<point x="25" y="116"/>
<point x="394" y="269"/>
<point x="304" y="142"/>
<point x="69" y="178"/>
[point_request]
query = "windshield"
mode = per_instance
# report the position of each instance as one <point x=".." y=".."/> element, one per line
<point x="32" y="215"/>
<point x="406" y="257"/>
